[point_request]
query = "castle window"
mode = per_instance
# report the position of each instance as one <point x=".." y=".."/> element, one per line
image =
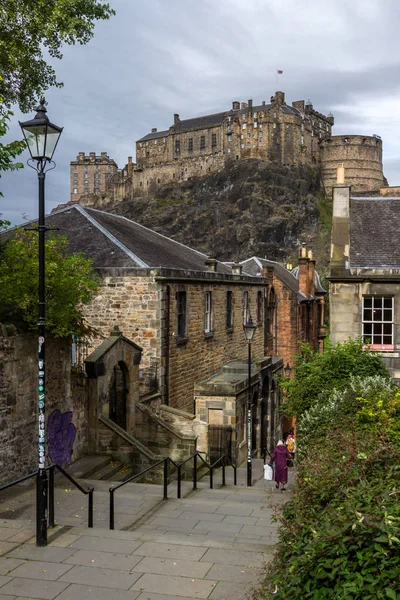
<point x="75" y="191"/>
<point x="214" y="140"/>
<point x="260" y="125"/>
<point x="244" y="126"/>
<point x="140" y="145"/>
<point x="207" y="312"/>
<point x="241" y="136"/>
<point x="255" y="115"/>
<point x="248" y="135"/>
<point x="229" y="138"/>
<point x="190" y="145"/>
<point x="249" y="144"/>
<point x="177" y="146"/>
<point x="147" y="143"/>
<point x="181" y="314"/>
<point x="255" y="124"/>
<point x="242" y="145"/>
<point x="229" y="150"/>
<point x="155" y="141"/>
<point x="302" y="140"/>
<point x="229" y="310"/>
<point x="260" y="143"/>
<point x="274" y="125"/>
<point x="202" y="142"/>
<point x="260" y="134"/>
<point x="377" y="322"/>
<point x="274" y="115"/>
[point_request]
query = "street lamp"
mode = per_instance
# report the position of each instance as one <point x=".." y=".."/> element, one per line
<point x="41" y="138"/>
<point x="249" y="331"/>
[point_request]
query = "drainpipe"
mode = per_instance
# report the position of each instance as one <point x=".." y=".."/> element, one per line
<point x="167" y="345"/>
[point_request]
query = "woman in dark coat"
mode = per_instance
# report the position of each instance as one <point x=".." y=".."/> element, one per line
<point x="280" y="456"/>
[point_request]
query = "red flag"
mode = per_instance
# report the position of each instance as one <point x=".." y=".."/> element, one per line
<point x="279" y="72"/>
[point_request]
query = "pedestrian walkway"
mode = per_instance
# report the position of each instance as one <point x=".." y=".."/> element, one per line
<point x="210" y="544"/>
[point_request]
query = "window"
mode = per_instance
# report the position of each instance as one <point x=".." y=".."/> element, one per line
<point x="177" y="146"/>
<point x="214" y="140"/>
<point x="202" y="142"/>
<point x="377" y="322"/>
<point x="255" y="115"/>
<point x="244" y="126"/>
<point x="248" y="144"/>
<point x="181" y="314"/>
<point x="242" y="145"/>
<point x="248" y="135"/>
<point x="246" y="311"/>
<point x="190" y="145"/>
<point x="229" y="312"/>
<point x="75" y="191"/>
<point x="259" y="307"/>
<point x="241" y="136"/>
<point x="229" y="138"/>
<point x="207" y="312"/>
<point x="302" y="140"/>
<point x="260" y="134"/>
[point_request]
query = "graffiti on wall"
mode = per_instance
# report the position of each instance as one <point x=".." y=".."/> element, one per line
<point x="61" y="434"/>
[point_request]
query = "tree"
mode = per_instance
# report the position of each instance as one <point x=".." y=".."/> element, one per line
<point x="27" y="29"/>
<point x="318" y="374"/>
<point x="70" y="283"/>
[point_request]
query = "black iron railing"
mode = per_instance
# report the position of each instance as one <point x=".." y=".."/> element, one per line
<point x="165" y="461"/>
<point x="51" y="469"/>
<point x="210" y="467"/>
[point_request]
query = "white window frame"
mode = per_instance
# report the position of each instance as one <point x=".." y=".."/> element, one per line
<point x="244" y="126"/>
<point x="208" y="312"/>
<point x="374" y="328"/>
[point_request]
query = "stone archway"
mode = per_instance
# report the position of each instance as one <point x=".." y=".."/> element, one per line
<point x="113" y="382"/>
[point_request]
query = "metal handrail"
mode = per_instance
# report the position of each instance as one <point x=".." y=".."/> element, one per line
<point x="51" y="468"/>
<point x="88" y="492"/>
<point x="209" y="467"/>
<point x="113" y="489"/>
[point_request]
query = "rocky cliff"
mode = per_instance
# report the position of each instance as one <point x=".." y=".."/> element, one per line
<point x="250" y="208"/>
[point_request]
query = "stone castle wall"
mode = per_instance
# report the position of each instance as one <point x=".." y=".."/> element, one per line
<point x="361" y="157"/>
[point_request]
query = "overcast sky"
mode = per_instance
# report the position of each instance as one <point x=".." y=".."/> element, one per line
<point x="193" y="57"/>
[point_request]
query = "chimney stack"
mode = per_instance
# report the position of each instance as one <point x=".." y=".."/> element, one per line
<point x="176" y="119"/>
<point x="154" y="130"/>
<point x="235" y="105"/>
<point x="211" y="265"/>
<point x="237" y="268"/>
<point x="340" y="237"/>
<point x="303" y="270"/>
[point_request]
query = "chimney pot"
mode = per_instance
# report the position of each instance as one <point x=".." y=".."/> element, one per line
<point x="154" y="130"/>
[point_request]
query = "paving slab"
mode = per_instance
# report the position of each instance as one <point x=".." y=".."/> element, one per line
<point x="168" y="550"/>
<point x="108" y="578"/>
<point x="32" y="588"/>
<point x="152" y="596"/>
<point x="241" y="574"/>
<point x="234" y="557"/>
<point x="175" y="586"/>
<point x="174" y="567"/>
<point x="105" y="545"/>
<point x="47" y="554"/>
<point x="85" y="592"/>
<point x="8" y="564"/>
<point x="45" y="571"/>
<point x="108" y="560"/>
<point x="225" y="590"/>
<point x="3" y="597"/>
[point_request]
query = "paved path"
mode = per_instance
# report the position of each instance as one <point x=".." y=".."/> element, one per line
<point x="211" y="544"/>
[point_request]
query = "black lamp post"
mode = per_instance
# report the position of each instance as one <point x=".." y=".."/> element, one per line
<point x="249" y="331"/>
<point x="41" y="138"/>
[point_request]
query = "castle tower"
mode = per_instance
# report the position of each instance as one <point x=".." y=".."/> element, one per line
<point x="89" y="174"/>
<point x="361" y="157"/>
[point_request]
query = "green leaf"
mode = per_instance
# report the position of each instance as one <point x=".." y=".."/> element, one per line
<point x="390" y="593"/>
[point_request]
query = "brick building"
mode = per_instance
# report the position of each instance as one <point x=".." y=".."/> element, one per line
<point x="90" y="173"/>
<point x="364" y="277"/>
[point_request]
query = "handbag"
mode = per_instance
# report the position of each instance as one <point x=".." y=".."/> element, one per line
<point x="268" y="473"/>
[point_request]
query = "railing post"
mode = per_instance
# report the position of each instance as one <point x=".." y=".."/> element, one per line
<point x="211" y="478"/>
<point x="223" y="472"/>
<point x="195" y="472"/>
<point x="111" y="508"/>
<point x="51" y="496"/>
<point x="234" y="476"/>
<point x="90" y="507"/>
<point x="179" y="481"/>
<point x="166" y="478"/>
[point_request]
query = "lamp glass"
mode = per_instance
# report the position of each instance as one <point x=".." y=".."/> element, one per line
<point x="249" y="330"/>
<point x="41" y="139"/>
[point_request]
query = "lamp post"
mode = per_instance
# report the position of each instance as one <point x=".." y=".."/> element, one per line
<point x="249" y="331"/>
<point x="41" y="138"/>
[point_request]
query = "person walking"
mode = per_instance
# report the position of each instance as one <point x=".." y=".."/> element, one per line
<point x="280" y="456"/>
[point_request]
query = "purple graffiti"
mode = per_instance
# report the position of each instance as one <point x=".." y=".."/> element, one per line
<point x="61" y="435"/>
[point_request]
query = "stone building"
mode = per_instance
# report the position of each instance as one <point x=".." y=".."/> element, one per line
<point x="89" y="174"/>
<point x="364" y="277"/>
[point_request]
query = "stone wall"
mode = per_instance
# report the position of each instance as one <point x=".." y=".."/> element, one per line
<point x="18" y="399"/>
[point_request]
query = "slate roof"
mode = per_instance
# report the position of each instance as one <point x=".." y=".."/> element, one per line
<point x="199" y="122"/>
<point x="253" y="266"/>
<point x="115" y="241"/>
<point x="374" y="233"/>
<point x="154" y="136"/>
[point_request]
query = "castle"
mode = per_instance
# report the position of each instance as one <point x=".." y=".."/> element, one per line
<point x="275" y="132"/>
